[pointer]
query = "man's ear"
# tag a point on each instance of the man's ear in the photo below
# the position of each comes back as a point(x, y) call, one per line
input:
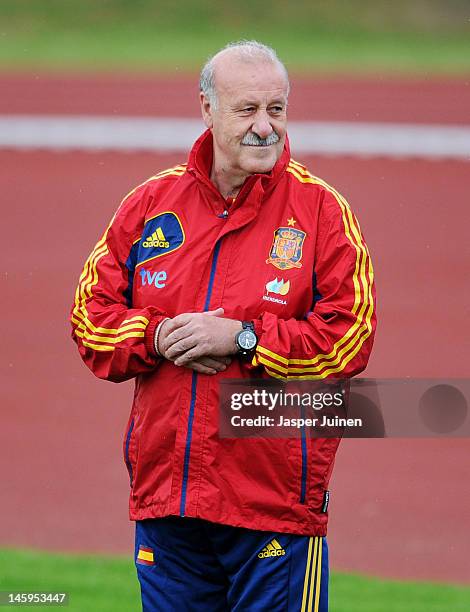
point(206, 110)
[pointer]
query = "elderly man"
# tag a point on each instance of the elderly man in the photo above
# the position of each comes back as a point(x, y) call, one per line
point(240, 264)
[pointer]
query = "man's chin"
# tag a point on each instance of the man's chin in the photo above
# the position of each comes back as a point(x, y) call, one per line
point(260, 161)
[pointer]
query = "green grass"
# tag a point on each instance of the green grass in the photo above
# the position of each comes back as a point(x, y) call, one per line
point(98, 583)
point(351, 593)
point(109, 584)
point(431, 36)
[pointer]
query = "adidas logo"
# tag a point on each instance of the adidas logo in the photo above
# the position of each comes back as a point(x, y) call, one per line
point(273, 549)
point(157, 239)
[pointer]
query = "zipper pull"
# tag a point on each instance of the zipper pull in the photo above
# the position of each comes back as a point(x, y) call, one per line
point(224, 215)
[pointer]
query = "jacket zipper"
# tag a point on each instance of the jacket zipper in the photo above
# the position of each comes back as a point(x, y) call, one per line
point(187, 450)
point(128, 461)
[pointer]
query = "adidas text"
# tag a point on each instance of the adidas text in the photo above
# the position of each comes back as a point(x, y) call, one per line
point(271, 553)
point(156, 243)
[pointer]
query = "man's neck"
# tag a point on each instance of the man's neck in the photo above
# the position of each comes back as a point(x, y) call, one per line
point(227, 182)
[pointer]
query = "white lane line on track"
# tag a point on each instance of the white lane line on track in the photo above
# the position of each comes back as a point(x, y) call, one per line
point(165, 134)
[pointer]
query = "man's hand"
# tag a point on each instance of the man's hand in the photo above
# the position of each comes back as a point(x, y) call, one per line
point(209, 365)
point(188, 337)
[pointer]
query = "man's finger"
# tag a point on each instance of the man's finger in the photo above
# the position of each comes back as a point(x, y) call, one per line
point(213, 363)
point(177, 334)
point(193, 354)
point(181, 347)
point(177, 322)
point(199, 367)
point(225, 360)
point(218, 312)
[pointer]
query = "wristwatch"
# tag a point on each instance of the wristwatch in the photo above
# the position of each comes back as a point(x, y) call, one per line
point(246, 340)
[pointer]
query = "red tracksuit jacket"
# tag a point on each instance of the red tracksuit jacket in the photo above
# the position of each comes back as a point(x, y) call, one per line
point(288, 254)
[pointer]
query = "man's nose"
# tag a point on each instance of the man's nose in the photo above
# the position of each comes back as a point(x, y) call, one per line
point(262, 125)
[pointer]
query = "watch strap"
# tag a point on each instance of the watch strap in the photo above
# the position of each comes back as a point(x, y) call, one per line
point(249, 325)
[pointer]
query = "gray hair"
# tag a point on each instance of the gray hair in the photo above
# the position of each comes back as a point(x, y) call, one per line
point(249, 49)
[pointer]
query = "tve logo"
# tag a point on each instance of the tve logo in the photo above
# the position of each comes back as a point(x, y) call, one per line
point(153, 278)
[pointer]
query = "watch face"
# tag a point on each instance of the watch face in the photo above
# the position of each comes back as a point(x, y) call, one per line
point(247, 340)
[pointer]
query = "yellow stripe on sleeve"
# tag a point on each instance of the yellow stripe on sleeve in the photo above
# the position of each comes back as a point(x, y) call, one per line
point(85, 334)
point(98, 347)
point(84, 323)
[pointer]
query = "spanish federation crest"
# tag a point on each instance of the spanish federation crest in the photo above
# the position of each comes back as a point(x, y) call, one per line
point(286, 250)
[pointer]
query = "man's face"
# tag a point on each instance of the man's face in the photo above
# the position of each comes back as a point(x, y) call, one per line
point(249, 123)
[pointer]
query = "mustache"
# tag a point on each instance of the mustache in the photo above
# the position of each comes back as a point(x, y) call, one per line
point(254, 140)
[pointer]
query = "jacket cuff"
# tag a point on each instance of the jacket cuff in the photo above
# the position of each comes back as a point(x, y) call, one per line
point(150, 334)
point(258, 325)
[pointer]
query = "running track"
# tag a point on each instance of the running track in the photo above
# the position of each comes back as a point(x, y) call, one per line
point(399, 507)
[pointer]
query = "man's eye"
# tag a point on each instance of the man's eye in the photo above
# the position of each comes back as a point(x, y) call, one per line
point(276, 109)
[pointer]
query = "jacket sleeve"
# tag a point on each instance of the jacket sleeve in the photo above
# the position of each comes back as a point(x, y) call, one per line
point(115, 340)
point(336, 336)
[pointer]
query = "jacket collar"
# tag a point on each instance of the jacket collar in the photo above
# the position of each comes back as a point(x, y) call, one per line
point(200, 165)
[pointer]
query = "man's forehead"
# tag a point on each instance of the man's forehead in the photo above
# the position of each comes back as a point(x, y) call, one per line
point(254, 77)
